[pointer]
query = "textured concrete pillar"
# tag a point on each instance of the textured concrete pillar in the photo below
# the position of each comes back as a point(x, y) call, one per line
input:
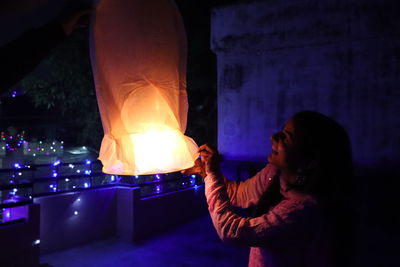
point(340, 58)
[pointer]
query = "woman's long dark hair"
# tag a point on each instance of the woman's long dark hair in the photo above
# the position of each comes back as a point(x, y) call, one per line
point(325, 169)
point(325, 144)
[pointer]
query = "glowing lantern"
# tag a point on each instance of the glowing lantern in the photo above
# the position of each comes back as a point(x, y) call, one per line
point(138, 53)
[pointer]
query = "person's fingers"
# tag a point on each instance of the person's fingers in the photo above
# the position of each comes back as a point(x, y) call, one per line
point(201, 148)
point(205, 154)
point(207, 149)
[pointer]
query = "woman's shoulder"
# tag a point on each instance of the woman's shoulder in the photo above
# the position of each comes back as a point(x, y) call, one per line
point(269, 170)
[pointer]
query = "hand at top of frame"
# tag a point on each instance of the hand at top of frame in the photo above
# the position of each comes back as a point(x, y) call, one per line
point(78, 19)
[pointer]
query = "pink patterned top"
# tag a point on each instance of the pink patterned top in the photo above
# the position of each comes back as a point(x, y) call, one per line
point(292, 233)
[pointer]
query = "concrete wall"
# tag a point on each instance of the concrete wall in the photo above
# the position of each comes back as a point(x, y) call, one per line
point(338, 57)
point(61, 228)
point(113, 212)
point(157, 214)
point(17, 246)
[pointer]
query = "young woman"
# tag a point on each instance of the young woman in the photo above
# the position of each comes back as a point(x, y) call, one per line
point(301, 197)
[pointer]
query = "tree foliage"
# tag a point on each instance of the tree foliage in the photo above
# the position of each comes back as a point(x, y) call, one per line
point(64, 83)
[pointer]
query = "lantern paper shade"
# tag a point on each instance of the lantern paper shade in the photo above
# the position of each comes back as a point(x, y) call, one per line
point(138, 54)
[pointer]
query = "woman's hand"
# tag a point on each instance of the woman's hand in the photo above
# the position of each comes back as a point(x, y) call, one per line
point(198, 168)
point(210, 158)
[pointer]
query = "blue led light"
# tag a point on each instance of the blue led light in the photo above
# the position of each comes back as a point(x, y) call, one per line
point(88, 162)
point(86, 185)
point(17, 166)
point(193, 175)
point(56, 163)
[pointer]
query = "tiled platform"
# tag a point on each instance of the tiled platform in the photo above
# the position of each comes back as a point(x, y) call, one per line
point(193, 244)
point(196, 244)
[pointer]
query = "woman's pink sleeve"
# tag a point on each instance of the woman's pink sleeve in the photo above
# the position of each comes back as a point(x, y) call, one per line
point(248, 192)
point(286, 221)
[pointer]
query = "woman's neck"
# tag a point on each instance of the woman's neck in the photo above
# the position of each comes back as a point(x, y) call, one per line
point(288, 177)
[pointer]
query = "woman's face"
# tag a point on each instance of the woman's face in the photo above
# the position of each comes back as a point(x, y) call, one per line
point(285, 149)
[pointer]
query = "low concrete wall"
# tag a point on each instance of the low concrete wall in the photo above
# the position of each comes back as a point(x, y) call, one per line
point(17, 246)
point(75, 218)
point(72, 219)
point(154, 215)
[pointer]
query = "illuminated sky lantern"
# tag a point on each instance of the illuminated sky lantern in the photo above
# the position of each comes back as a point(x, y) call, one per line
point(138, 53)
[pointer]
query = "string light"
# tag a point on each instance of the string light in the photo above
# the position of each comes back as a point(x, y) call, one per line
point(17, 166)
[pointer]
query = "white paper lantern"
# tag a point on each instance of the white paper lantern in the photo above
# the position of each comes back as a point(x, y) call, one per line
point(138, 53)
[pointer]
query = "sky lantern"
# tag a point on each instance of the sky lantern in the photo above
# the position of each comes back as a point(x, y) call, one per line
point(138, 54)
